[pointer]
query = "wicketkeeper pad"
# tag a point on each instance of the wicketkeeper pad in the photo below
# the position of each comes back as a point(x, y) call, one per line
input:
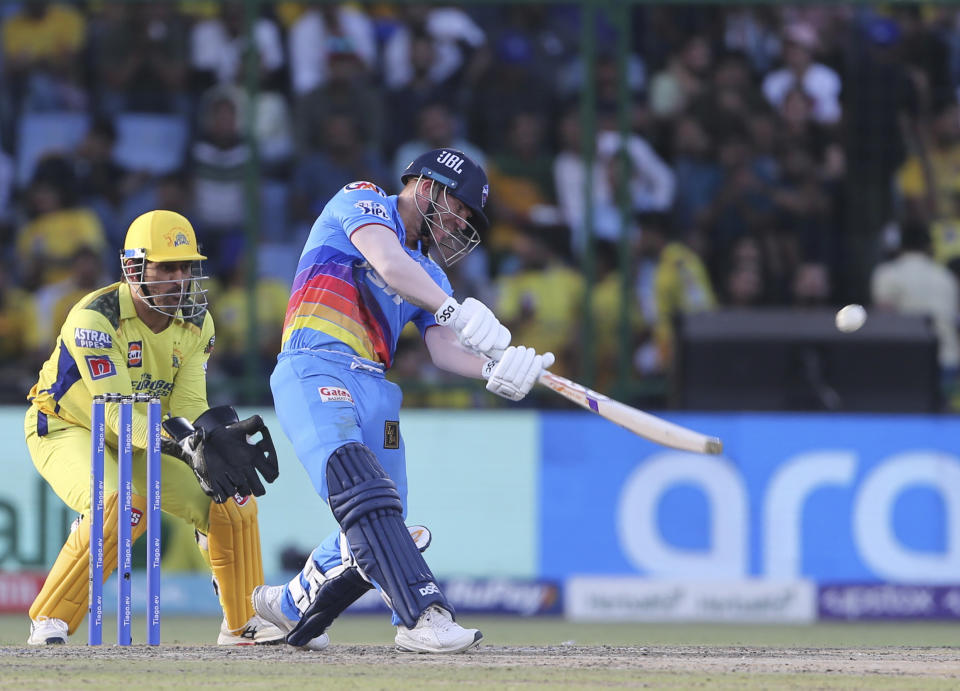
point(66, 592)
point(234, 549)
point(367, 506)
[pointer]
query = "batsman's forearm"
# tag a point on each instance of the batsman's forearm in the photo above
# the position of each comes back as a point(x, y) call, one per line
point(447, 353)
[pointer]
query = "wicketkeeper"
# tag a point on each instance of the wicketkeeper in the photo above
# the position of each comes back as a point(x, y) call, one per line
point(150, 333)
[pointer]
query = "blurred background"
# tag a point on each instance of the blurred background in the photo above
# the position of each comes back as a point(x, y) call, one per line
point(681, 198)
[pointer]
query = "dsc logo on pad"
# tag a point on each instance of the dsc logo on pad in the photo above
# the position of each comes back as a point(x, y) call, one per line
point(334, 393)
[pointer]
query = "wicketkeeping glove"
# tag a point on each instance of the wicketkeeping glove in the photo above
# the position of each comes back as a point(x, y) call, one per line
point(221, 453)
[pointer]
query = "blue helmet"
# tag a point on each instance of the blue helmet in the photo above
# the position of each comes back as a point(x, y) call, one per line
point(459, 174)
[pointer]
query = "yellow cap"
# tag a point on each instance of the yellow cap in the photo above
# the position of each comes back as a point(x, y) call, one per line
point(163, 236)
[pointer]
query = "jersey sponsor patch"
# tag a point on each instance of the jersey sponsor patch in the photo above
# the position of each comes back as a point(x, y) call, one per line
point(373, 209)
point(135, 354)
point(90, 338)
point(391, 434)
point(209, 346)
point(363, 185)
point(334, 393)
point(100, 366)
point(135, 516)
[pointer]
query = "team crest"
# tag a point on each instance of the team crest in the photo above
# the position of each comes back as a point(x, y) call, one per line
point(176, 238)
point(177, 357)
point(135, 354)
point(363, 185)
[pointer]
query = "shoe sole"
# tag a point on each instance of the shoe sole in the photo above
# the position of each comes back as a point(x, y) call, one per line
point(473, 644)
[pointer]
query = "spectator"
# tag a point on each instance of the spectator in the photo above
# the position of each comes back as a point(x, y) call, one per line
point(436, 129)
point(218, 162)
point(407, 101)
point(217, 46)
point(697, 173)
point(54, 301)
point(521, 173)
point(141, 59)
point(20, 353)
point(511, 86)
point(930, 184)
point(915, 284)
point(57, 228)
point(540, 302)
point(881, 124)
point(344, 158)
point(671, 280)
point(459, 45)
point(347, 91)
point(818, 81)
point(42, 43)
point(315, 31)
point(745, 278)
point(651, 183)
point(683, 79)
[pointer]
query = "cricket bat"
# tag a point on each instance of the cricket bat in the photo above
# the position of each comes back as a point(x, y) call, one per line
point(640, 423)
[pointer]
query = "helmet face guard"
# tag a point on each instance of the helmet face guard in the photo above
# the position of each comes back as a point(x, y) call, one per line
point(452, 174)
point(191, 297)
point(452, 243)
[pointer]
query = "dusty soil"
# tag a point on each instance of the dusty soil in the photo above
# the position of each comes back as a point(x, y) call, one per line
point(922, 662)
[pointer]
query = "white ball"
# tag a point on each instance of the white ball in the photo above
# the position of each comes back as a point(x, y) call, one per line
point(851, 318)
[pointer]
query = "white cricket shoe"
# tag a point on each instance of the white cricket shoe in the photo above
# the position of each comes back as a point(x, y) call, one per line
point(257, 631)
point(47, 631)
point(266, 603)
point(436, 632)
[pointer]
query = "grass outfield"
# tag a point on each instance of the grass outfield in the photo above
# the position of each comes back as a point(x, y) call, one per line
point(527, 653)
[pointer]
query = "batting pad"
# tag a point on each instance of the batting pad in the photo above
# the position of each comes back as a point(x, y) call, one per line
point(234, 550)
point(367, 506)
point(66, 592)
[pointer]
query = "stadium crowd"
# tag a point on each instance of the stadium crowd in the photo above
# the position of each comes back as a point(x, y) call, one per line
point(774, 153)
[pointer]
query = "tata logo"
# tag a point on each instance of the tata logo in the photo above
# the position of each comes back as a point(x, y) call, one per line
point(452, 161)
point(334, 393)
point(135, 354)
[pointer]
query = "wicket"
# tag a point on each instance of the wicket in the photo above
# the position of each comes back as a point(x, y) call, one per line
point(124, 516)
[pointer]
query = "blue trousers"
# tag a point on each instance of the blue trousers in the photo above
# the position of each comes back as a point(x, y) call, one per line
point(325, 399)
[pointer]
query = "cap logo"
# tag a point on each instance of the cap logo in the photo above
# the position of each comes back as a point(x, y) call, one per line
point(483, 195)
point(176, 238)
point(451, 161)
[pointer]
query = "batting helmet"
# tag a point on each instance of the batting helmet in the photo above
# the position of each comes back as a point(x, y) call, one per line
point(463, 179)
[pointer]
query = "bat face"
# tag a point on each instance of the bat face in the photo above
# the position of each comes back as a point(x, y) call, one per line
point(640, 423)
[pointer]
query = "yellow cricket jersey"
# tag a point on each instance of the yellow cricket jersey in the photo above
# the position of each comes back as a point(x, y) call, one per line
point(103, 347)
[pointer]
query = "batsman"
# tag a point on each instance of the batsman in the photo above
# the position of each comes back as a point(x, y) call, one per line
point(150, 333)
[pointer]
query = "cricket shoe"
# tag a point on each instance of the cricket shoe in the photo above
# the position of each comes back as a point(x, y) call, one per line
point(257, 631)
point(47, 631)
point(436, 632)
point(266, 603)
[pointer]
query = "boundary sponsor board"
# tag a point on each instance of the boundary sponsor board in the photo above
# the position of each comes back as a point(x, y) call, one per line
point(598, 598)
point(487, 596)
point(851, 601)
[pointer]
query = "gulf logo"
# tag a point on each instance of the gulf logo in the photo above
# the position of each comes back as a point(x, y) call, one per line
point(135, 354)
